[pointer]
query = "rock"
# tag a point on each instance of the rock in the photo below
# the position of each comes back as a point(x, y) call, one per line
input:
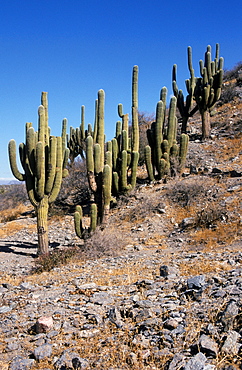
point(208, 346)
point(44, 324)
point(42, 352)
point(196, 282)
point(196, 363)
point(21, 363)
point(231, 345)
point(229, 315)
point(187, 222)
point(70, 360)
point(178, 362)
point(164, 271)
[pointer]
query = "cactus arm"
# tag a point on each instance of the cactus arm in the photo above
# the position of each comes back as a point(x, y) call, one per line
point(78, 221)
point(148, 163)
point(107, 187)
point(58, 173)
point(100, 123)
point(51, 166)
point(93, 217)
point(135, 122)
point(40, 170)
point(13, 162)
point(134, 165)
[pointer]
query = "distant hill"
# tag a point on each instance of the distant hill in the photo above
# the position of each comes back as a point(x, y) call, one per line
point(8, 181)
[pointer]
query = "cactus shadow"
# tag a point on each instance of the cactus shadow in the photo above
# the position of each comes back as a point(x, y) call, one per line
point(18, 248)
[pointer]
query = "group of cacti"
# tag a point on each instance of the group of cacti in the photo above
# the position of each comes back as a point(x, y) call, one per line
point(163, 156)
point(204, 91)
point(112, 166)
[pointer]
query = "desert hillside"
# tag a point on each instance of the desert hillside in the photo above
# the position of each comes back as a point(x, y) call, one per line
point(159, 287)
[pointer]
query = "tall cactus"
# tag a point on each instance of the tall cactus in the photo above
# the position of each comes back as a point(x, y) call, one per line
point(208, 87)
point(185, 106)
point(162, 155)
point(99, 175)
point(43, 158)
point(125, 149)
point(76, 139)
point(204, 90)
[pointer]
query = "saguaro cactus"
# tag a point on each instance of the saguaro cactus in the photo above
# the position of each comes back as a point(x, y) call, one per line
point(125, 149)
point(99, 175)
point(43, 158)
point(204, 90)
point(185, 106)
point(76, 139)
point(162, 155)
point(208, 87)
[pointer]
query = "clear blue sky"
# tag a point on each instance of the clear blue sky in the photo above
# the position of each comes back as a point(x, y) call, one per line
point(73, 48)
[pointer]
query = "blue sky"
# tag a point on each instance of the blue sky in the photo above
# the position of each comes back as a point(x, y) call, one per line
point(73, 48)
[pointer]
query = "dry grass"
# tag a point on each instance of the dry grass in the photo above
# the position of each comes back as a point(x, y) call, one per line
point(229, 149)
point(13, 213)
point(13, 227)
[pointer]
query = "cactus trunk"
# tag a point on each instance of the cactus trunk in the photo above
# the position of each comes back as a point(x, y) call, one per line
point(206, 127)
point(42, 226)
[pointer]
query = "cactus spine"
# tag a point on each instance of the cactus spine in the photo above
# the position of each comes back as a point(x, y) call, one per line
point(43, 158)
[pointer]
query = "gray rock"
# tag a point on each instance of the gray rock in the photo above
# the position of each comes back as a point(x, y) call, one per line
point(196, 363)
point(70, 360)
point(196, 282)
point(178, 362)
point(229, 315)
point(208, 346)
point(231, 345)
point(21, 363)
point(41, 352)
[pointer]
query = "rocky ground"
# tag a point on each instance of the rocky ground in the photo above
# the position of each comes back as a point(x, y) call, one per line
point(160, 288)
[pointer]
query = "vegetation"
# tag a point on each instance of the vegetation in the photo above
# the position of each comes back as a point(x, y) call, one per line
point(43, 158)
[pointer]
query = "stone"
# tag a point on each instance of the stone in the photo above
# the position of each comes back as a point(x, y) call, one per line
point(44, 324)
point(196, 282)
point(229, 315)
point(70, 360)
point(196, 363)
point(231, 345)
point(21, 363)
point(41, 352)
point(208, 346)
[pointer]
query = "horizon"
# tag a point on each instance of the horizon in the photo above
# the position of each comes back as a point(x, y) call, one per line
point(72, 50)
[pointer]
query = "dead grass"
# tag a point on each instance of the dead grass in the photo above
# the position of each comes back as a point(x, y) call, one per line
point(13, 213)
point(13, 227)
point(226, 150)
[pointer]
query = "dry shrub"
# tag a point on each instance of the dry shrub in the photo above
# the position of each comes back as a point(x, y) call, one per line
point(12, 195)
point(103, 243)
point(195, 190)
point(223, 234)
point(137, 207)
point(55, 258)
point(11, 214)
point(74, 190)
point(209, 215)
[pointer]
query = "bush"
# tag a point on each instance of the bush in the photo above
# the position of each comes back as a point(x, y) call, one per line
point(228, 94)
point(12, 196)
point(74, 189)
point(234, 73)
